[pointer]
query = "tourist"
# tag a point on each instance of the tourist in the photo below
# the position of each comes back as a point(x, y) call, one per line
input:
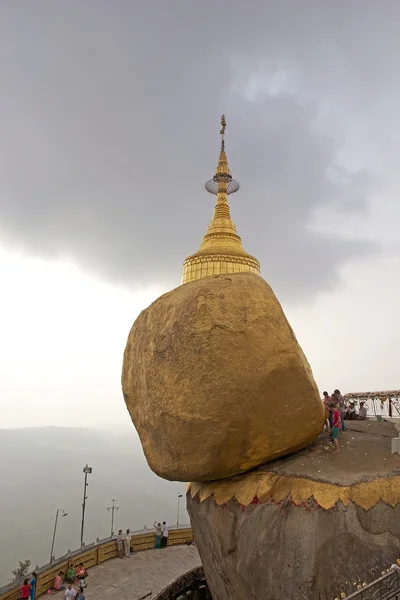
point(157, 527)
point(81, 572)
point(58, 583)
point(120, 543)
point(362, 412)
point(336, 426)
point(341, 401)
point(327, 402)
point(127, 543)
point(81, 595)
point(70, 592)
point(164, 535)
point(33, 586)
point(25, 590)
point(351, 414)
point(327, 413)
point(70, 575)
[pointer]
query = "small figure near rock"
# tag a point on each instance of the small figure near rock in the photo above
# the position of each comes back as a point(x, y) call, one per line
point(336, 426)
point(351, 414)
point(337, 396)
point(328, 415)
point(362, 412)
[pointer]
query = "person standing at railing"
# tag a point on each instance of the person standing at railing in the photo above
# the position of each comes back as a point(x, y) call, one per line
point(33, 586)
point(127, 543)
point(120, 543)
point(164, 535)
point(25, 590)
point(157, 527)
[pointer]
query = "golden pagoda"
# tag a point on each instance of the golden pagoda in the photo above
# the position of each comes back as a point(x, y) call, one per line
point(221, 250)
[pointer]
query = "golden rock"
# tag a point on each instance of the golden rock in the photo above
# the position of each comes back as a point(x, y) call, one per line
point(216, 382)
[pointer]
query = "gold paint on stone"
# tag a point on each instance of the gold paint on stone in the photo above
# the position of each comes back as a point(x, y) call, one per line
point(216, 382)
point(271, 486)
point(221, 251)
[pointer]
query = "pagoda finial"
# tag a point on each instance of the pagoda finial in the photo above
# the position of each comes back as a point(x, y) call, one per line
point(222, 173)
point(222, 132)
point(221, 250)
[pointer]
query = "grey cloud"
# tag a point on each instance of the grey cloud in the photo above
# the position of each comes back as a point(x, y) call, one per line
point(109, 116)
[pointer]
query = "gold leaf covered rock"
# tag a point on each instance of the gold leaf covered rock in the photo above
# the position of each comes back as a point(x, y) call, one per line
point(216, 382)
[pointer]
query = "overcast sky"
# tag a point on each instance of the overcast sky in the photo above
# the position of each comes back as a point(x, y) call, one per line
point(109, 115)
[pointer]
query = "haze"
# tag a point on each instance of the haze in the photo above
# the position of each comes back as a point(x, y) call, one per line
point(109, 116)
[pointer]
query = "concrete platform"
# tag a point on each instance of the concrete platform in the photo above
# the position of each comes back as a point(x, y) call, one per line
point(131, 578)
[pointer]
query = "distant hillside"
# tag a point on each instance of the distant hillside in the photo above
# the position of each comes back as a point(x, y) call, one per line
point(41, 470)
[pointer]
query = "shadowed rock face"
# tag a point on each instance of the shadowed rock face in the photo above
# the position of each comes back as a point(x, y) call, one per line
point(280, 551)
point(216, 382)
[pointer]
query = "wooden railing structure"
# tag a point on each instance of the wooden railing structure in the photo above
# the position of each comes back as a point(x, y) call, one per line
point(378, 404)
point(96, 554)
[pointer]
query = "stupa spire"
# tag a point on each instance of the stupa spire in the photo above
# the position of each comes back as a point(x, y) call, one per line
point(221, 250)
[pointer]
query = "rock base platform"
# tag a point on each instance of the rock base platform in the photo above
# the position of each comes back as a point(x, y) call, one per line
point(312, 524)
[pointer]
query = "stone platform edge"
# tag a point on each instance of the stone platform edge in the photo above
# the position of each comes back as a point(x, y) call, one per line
point(257, 488)
point(96, 555)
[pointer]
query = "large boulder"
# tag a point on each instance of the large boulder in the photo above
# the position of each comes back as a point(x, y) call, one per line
point(216, 382)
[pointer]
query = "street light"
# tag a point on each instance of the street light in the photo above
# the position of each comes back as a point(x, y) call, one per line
point(112, 508)
point(87, 470)
point(177, 516)
point(63, 514)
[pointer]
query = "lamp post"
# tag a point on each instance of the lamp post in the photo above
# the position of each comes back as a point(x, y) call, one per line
point(112, 508)
point(177, 516)
point(63, 514)
point(87, 470)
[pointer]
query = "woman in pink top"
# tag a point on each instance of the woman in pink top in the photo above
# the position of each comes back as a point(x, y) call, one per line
point(336, 426)
point(58, 581)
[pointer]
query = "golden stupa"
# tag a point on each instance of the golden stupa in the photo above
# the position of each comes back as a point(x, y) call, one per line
point(221, 251)
point(213, 376)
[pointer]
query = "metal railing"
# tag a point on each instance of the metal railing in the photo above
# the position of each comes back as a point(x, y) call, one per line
point(188, 581)
point(386, 587)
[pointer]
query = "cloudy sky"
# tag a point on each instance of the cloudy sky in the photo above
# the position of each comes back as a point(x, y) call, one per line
point(109, 115)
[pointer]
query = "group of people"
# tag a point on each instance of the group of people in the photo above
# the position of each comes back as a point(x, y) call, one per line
point(124, 543)
point(161, 534)
point(72, 575)
point(28, 588)
point(337, 413)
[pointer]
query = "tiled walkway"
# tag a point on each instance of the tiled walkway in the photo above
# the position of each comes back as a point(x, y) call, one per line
point(130, 578)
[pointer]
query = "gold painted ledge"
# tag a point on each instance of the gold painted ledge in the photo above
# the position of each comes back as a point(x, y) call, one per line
point(267, 486)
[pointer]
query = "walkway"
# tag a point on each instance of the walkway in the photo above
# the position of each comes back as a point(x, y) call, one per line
point(130, 578)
